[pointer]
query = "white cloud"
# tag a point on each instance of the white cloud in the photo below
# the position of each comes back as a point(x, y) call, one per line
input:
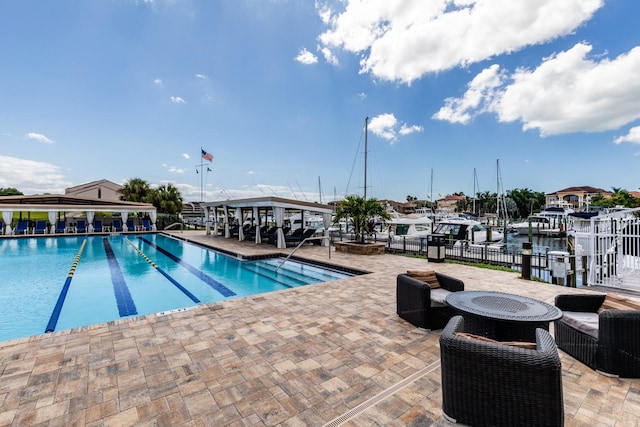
point(186, 156)
point(568, 92)
point(306, 57)
point(386, 126)
point(39, 137)
point(407, 130)
point(158, 82)
point(173, 169)
point(31, 177)
point(481, 92)
point(202, 76)
point(177, 100)
point(633, 136)
point(328, 55)
point(402, 41)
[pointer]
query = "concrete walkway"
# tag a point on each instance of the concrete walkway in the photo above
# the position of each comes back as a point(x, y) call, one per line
point(329, 354)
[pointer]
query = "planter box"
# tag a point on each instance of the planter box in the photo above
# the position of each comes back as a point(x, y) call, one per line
point(360, 248)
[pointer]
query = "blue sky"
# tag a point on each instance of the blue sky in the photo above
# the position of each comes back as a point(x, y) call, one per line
point(541, 95)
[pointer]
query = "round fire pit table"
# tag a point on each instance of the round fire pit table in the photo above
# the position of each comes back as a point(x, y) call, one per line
point(502, 316)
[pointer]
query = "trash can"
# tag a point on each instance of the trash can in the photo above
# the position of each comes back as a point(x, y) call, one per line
point(436, 248)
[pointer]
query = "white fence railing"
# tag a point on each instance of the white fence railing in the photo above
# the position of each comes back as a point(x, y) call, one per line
point(611, 244)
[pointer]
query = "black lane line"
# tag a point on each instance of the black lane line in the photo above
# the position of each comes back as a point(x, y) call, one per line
point(126, 306)
point(199, 274)
point(184, 290)
point(55, 315)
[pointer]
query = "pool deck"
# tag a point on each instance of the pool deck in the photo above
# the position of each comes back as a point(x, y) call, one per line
point(329, 354)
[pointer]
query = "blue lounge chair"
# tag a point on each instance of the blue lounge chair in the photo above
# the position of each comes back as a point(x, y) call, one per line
point(22, 227)
point(61, 226)
point(117, 225)
point(81, 226)
point(146, 225)
point(41, 227)
point(130, 226)
point(97, 226)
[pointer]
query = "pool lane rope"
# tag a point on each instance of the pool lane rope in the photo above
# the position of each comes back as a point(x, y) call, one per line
point(161, 271)
point(55, 315)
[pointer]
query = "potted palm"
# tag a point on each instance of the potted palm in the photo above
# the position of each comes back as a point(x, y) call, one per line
point(359, 212)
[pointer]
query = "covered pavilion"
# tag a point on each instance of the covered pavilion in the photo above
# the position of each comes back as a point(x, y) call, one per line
point(55, 205)
point(257, 210)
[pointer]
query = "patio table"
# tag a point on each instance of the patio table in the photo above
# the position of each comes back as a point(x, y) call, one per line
point(503, 316)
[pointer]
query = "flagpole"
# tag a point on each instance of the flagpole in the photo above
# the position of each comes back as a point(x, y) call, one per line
point(201, 176)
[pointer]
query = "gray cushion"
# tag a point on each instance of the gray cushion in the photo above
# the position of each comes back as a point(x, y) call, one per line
point(437, 297)
point(584, 322)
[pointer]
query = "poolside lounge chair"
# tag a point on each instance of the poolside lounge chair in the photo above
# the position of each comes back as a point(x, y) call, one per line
point(300, 236)
point(61, 226)
point(1, 227)
point(130, 226)
point(97, 226)
point(22, 227)
point(146, 225)
point(41, 227)
point(268, 233)
point(273, 239)
point(117, 225)
point(81, 226)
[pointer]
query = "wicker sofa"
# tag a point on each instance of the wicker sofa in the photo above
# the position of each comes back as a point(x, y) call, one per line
point(494, 384)
point(422, 306)
point(605, 340)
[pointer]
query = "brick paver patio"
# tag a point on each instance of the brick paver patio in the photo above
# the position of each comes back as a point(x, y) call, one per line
point(329, 354)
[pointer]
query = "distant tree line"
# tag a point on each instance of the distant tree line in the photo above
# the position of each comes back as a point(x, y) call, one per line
point(522, 202)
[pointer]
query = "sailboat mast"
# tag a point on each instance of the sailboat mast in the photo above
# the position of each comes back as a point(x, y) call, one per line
point(475, 179)
point(431, 191)
point(366, 126)
point(498, 189)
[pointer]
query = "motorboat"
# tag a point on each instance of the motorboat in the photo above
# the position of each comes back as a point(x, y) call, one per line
point(409, 226)
point(459, 229)
point(550, 222)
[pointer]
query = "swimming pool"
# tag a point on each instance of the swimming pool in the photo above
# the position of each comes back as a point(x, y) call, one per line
point(57, 283)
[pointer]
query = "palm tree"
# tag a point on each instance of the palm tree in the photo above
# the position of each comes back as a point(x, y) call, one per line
point(135, 190)
point(360, 211)
point(166, 198)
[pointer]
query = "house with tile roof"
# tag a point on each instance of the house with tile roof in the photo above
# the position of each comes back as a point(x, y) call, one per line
point(573, 197)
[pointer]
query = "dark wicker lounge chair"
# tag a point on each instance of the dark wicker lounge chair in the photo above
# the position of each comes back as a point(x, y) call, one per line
point(613, 347)
point(415, 305)
point(297, 237)
point(493, 384)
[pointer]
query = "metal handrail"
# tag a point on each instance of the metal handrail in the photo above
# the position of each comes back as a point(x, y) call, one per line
point(176, 223)
point(298, 247)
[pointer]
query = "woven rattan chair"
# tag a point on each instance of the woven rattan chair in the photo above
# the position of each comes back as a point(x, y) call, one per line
point(613, 347)
point(415, 305)
point(492, 384)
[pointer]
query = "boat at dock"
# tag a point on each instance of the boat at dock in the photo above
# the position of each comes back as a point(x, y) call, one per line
point(551, 222)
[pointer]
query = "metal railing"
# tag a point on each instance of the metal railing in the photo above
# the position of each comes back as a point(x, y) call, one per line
point(168, 227)
point(298, 247)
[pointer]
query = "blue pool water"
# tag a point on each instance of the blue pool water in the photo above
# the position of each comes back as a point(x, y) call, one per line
point(57, 283)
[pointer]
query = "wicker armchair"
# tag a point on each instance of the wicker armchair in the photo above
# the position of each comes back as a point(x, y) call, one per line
point(614, 346)
point(493, 384)
point(415, 305)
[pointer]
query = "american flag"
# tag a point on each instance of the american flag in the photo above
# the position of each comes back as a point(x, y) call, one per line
point(207, 156)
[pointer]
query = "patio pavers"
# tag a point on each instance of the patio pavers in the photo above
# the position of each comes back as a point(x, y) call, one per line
point(329, 353)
